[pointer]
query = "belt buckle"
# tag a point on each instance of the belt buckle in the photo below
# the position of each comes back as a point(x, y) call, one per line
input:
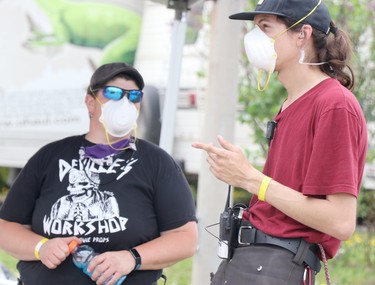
point(240, 233)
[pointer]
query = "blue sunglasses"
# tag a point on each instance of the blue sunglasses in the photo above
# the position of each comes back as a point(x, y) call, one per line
point(117, 93)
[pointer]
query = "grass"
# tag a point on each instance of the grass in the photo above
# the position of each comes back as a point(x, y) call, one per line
point(353, 265)
point(178, 274)
point(8, 261)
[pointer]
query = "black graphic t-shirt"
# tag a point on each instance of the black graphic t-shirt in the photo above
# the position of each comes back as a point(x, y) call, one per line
point(114, 203)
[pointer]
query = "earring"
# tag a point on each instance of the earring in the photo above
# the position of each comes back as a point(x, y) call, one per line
point(91, 115)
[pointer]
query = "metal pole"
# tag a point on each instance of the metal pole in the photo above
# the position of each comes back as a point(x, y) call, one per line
point(171, 96)
point(221, 103)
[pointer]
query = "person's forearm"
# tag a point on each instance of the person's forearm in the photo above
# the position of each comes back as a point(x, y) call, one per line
point(169, 248)
point(18, 240)
point(335, 215)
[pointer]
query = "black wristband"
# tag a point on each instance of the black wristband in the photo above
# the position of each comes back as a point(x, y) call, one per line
point(137, 257)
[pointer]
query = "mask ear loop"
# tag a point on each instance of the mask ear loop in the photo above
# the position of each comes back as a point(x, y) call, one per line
point(302, 58)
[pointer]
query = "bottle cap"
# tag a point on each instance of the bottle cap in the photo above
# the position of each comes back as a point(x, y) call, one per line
point(72, 245)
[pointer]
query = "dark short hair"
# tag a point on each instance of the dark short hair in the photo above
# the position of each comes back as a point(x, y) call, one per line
point(109, 71)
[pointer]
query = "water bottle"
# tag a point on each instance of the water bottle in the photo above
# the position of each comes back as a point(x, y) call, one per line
point(82, 256)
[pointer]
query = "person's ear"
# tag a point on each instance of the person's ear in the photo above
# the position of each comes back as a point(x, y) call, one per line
point(304, 34)
point(90, 103)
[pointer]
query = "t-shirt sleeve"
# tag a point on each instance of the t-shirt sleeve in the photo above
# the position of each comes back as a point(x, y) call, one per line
point(174, 203)
point(335, 155)
point(20, 201)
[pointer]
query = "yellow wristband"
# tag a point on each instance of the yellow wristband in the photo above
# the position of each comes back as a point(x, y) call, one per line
point(38, 246)
point(263, 188)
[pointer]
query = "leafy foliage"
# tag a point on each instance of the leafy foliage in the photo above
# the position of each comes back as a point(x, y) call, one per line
point(357, 17)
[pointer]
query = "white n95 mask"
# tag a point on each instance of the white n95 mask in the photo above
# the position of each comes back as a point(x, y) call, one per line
point(119, 117)
point(260, 51)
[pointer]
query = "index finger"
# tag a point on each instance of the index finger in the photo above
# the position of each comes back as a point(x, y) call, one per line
point(203, 146)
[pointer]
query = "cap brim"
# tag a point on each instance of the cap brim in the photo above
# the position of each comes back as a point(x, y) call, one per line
point(250, 15)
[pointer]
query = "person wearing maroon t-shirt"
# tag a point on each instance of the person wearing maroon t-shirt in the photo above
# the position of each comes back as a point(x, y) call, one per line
point(305, 199)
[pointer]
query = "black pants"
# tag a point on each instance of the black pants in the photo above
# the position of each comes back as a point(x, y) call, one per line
point(260, 265)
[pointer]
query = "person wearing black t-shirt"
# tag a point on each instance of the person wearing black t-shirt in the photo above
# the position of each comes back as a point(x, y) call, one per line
point(123, 196)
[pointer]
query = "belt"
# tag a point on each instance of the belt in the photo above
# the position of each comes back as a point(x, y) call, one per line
point(248, 235)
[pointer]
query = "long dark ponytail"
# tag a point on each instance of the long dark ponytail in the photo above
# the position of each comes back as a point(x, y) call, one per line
point(336, 51)
point(334, 48)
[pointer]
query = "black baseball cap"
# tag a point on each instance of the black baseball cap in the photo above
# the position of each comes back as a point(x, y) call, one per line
point(296, 10)
point(108, 71)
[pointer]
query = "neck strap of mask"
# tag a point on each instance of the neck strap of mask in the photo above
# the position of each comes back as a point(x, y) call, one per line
point(260, 88)
point(111, 144)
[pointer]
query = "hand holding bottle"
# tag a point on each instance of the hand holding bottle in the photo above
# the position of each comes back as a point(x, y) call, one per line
point(82, 256)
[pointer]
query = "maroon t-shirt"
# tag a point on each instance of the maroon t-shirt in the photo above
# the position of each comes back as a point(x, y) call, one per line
point(319, 149)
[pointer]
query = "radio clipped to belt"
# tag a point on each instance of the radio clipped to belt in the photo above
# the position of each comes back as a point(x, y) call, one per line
point(230, 220)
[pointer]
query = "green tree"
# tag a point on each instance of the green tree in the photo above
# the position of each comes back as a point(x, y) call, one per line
point(357, 18)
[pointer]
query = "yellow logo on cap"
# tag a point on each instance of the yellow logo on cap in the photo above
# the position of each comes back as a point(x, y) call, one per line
point(260, 2)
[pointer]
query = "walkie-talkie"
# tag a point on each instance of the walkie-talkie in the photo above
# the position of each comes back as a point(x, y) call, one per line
point(229, 223)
